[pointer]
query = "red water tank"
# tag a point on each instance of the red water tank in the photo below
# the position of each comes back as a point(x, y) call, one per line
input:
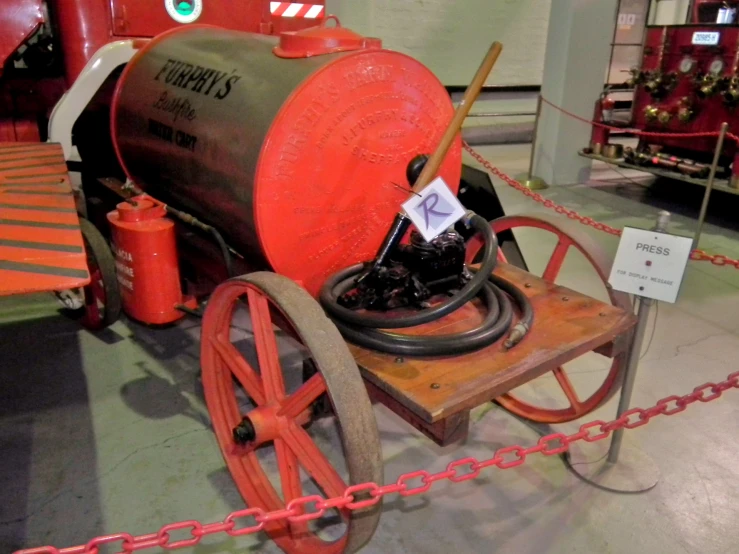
point(295, 149)
point(146, 261)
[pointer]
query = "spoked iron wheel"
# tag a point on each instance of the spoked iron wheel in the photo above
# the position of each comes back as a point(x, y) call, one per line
point(567, 237)
point(270, 422)
point(101, 297)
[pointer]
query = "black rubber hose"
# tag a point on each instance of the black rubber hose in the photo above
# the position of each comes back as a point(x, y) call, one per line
point(343, 281)
point(495, 325)
point(224, 251)
point(362, 328)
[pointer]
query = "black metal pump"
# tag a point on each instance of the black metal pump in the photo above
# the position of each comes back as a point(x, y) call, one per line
point(387, 285)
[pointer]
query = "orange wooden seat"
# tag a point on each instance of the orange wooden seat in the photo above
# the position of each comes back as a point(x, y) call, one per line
point(41, 247)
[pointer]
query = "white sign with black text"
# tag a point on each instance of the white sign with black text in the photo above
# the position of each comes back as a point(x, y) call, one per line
point(706, 38)
point(434, 209)
point(650, 264)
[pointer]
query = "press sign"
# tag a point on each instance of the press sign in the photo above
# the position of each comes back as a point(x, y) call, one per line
point(650, 264)
point(706, 38)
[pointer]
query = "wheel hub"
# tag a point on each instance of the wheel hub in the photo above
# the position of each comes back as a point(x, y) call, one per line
point(244, 432)
point(264, 424)
point(71, 299)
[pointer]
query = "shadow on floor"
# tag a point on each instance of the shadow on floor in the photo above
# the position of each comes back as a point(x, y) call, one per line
point(48, 466)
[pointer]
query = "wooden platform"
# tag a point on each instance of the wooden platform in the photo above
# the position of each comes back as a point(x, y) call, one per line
point(435, 393)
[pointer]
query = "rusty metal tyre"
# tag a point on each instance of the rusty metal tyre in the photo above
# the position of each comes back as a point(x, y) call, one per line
point(278, 419)
point(568, 235)
point(102, 296)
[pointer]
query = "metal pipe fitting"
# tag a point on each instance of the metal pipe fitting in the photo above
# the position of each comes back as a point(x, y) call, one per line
point(685, 114)
point(516, 335)
point(650, 113)
point(664, 117)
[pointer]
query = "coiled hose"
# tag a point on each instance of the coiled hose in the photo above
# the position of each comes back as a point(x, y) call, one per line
point(363, 328)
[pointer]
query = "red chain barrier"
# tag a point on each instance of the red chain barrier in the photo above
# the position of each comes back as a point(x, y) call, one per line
point(696, 255)
point(456, 472)
point(638, 132)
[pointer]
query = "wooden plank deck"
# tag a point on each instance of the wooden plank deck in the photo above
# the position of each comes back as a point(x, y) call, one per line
point(566, 325)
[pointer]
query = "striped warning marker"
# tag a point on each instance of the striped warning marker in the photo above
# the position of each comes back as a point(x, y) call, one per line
point(293, 9)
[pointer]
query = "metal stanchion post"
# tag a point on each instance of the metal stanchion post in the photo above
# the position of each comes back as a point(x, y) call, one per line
point(709, 184)
point(527, 179)
point(630, 470)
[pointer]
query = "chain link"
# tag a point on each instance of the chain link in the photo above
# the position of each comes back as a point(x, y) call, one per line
point(639, 132)
point(455, 472)
point(696, 255)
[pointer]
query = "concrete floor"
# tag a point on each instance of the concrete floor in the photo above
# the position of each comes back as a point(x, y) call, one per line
point(109, 433)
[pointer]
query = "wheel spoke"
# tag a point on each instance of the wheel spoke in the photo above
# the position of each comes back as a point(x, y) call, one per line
point(287, 464)
point(567, 387)
point(92, 310)
point(313, 460)
point(97, 288)
point(501, 256)
point(239, 367)
point(301, 399)
point(558, 257)
point(266, 343)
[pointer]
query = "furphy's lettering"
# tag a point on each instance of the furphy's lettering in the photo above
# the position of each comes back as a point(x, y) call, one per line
point(176, 106)
point(185, 140)
point(227, 86)
point(160, 130)
point(170, 134)
point(197, 78)
point(295, 142)
point(653, 249)
point(368, 75)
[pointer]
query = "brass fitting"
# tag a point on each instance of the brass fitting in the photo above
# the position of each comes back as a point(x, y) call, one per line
point(730, 94)
point(657, 84)
point(707, 86)
point(653, 85)
point(516, 335)
point(685, 114)
point(637, 77)
point(664, 117)
point(650, 113)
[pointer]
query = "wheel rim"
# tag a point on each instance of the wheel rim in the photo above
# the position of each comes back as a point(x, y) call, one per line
point(277, 419)
point(568, 237)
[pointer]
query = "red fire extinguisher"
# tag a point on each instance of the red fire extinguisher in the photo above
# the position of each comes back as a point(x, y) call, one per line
point(146, 260)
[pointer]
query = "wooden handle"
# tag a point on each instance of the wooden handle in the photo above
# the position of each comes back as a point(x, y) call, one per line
point(470, 95)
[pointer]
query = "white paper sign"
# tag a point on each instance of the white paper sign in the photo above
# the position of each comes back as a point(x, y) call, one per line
point(706, 38)
point(434, 209)
point(650, 264)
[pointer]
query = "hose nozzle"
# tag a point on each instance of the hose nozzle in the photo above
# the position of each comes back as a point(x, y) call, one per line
point(516, 335)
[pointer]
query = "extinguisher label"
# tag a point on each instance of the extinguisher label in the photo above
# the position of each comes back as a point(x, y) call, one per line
point(124, 272)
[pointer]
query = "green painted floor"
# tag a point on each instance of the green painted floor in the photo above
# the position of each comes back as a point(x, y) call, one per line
point(109, 433)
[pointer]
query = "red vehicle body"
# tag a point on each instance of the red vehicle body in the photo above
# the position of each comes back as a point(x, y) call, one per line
point(44, 45)
point(688, 82)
